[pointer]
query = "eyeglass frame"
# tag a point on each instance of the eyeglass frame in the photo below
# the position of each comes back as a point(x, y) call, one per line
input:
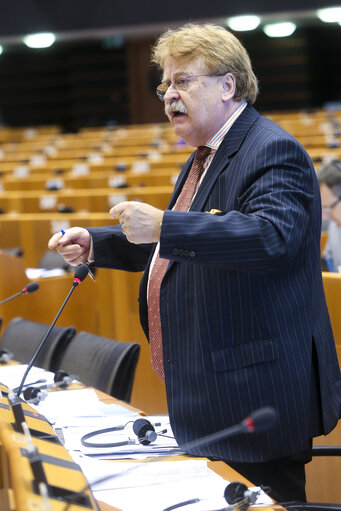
point(329, 209)
point(161, 93)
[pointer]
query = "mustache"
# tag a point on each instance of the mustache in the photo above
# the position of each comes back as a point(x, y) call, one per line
point(175, 106)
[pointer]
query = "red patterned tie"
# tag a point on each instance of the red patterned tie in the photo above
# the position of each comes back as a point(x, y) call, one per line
point(160, 265)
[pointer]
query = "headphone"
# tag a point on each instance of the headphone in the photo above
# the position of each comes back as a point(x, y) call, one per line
point(143, 429)
point(36, 394)
point(5, 356)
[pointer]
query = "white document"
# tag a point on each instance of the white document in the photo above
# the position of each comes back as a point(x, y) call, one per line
point(65, 407)
point(155, 485)
point(11, 376)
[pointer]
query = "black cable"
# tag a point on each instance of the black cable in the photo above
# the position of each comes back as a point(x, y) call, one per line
point(84, 439)
point(181, 504)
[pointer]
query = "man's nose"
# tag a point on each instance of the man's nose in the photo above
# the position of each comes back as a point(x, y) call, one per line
point(171, 94)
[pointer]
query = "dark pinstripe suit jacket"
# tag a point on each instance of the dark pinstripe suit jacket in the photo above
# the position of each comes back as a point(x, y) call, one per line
point(242, 302)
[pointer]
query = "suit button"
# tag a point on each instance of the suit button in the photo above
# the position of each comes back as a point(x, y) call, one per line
point(175, 251)
point(192, 253)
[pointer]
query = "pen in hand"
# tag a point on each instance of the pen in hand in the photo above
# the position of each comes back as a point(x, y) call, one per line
point(92, 276)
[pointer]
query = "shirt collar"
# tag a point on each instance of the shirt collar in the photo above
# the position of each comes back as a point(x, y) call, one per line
point(216, 140)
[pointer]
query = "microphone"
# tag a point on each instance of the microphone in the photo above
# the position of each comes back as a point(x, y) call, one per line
point(240, 496)
point(258, 421)
point(79, 276)
point(5, 356)
point(29, 288)
point(34, 394)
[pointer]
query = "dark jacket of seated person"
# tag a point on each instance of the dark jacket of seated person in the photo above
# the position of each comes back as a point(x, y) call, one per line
point(329, 176)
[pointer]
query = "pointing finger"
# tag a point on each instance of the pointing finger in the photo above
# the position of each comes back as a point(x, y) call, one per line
point(54, 241)
point(119, 209)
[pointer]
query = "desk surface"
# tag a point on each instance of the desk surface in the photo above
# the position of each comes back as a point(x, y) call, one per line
point(218, 467)
point(22, 488)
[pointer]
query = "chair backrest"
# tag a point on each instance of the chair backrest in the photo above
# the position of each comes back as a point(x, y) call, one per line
point(102, 363)
point(52, 260)
point(23, 337)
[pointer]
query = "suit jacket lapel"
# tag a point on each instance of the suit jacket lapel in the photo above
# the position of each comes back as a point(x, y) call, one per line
point(228, 147)
point(226, 150)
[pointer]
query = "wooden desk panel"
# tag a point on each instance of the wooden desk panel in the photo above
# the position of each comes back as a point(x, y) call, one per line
point(102, 179)
point(31, 231)
point(94, 200)
point(332, 289)
point(324, 473)
point(12, 280)
point(17, 484)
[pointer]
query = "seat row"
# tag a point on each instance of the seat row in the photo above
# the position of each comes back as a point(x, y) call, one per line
point(81, 200)
point(91, 180)
point(99, 362)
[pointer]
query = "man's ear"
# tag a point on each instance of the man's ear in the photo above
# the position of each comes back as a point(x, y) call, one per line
point(229, 87)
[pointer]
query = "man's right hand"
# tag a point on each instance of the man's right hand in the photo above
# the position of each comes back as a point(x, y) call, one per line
point(74, 245)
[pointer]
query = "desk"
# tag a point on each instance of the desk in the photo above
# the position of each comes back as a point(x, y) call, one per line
point(17, 483)
point(323, 473)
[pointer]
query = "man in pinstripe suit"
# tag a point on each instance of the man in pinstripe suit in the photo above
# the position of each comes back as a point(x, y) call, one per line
point(243, 317)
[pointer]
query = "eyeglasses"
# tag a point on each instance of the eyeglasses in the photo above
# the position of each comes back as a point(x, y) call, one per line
point(181, 84)
point(328, 209)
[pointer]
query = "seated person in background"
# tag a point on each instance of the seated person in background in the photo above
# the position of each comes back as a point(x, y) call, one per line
point(329, 177)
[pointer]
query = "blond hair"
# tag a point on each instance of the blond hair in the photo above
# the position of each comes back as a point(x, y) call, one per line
point(220, 51)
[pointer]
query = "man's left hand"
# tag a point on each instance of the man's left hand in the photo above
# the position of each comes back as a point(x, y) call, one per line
point(141, 223)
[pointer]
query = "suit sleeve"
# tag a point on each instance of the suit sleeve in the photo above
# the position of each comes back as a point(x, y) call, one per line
point(113, 250)
point(268, 227)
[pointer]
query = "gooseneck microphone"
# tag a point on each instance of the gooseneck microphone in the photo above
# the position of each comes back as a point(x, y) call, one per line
point(258, 421)
point(79, 276)
point(29, 288)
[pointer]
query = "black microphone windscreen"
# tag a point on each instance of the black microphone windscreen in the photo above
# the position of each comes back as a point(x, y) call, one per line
point(263, 419)
point(235, 492)
point(31, 287)
point(81, 272)
point(31, 393)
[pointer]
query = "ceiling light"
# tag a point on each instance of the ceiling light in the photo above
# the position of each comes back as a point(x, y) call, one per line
point(329, 14)
point(1, 49)
point(243, 23)
point(42, 40)
point(279, 29)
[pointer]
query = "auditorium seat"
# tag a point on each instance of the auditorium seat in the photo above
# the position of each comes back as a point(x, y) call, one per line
point(102, 363)
point(52, 260)
point(23, 337)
